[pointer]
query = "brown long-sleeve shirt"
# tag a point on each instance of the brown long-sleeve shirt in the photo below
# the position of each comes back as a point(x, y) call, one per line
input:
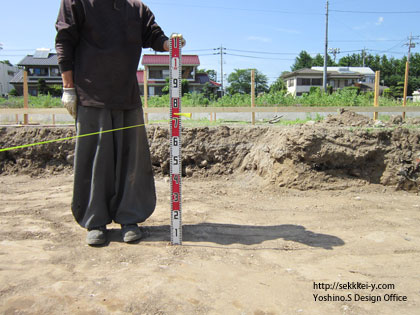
point(101, 41)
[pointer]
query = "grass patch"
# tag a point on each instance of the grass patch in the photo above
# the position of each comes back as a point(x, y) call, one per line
point(42, 101)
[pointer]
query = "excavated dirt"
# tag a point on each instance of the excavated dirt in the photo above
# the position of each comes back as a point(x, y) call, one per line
point(344, 150)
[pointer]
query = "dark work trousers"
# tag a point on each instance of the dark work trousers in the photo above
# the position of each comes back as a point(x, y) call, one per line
point(113, 176)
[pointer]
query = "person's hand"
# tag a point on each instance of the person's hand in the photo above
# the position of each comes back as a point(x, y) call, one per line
point(166, 44)
point(69, 100)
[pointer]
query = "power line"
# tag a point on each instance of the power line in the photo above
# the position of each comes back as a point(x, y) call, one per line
point(263, 52)
point(189, 50)
point(365, 40)
point(376, 12)
point(256, 57)
point(235, 9)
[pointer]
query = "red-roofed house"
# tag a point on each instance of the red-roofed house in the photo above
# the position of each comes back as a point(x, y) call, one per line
point(157, 69)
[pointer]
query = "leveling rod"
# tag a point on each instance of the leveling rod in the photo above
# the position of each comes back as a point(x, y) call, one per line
point(175, 91)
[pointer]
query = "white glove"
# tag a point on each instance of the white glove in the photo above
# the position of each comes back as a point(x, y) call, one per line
point(69, 100)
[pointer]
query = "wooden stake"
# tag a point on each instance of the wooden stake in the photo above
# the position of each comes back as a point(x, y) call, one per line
point(376, 101)
point(146, 94)
point(407, 69)
point(253, 94)
point(25, 95)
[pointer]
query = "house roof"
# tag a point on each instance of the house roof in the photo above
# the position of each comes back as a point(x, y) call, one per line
point(371, 86)
point(359, 70)
point(18, 78)
point(163, 60)
point(30, 60)
point(304, 71)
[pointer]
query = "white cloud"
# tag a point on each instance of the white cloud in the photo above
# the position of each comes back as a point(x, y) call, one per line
point(380, 20)
point(259, 39)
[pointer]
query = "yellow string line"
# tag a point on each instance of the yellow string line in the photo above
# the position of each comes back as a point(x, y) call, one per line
point(68, 138)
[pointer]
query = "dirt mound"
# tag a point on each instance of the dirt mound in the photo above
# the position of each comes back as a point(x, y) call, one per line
point(310, 157)
point(39, 160)
point(347, 118)
point(322, 156)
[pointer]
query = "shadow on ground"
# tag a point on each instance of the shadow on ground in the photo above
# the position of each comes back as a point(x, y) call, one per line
point(228, 234)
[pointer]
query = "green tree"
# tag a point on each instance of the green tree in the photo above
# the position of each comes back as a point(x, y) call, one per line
point(42, 87)
point(6, 62)
point(304, 60)
point(240, 82)
point(318, 61)
point(278, 86)
point(208, 91)
point(354, 60)
point(211, 73)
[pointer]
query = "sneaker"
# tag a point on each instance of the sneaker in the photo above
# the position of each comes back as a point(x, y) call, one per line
point(96, 236)
point(130, 232)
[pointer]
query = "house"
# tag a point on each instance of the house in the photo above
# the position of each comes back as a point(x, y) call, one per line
point(41, 65)
point(301, 81)
point(7, 72)
point(416, 96)
point(157, 71)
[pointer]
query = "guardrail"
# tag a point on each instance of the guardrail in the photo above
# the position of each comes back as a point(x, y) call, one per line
point(215, 110)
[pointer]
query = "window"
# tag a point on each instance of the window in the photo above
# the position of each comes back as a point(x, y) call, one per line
point(317, 82)
point(55, 72)
point(155, 74)
point(302, 81)
point(158, 73)
point(38, 72)
point(291, 82)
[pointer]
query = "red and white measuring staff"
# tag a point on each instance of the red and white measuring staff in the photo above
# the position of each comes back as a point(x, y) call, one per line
point(175, 72)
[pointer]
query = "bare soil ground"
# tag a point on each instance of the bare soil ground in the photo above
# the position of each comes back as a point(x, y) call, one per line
point(270, 216)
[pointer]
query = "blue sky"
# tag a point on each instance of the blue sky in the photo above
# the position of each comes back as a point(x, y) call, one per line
point(279, 29)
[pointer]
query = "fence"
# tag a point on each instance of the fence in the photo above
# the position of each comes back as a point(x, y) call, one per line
point(214, 110)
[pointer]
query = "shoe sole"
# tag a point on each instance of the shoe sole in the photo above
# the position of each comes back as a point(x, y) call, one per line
point(131, 238)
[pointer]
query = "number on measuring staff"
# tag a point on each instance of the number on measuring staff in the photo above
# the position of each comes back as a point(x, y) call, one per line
point(176, 123)
point(175, 197)
point(175, 63)
point(175, 141)
point(176, 215)
point(176, 160)
point(176, 179)
point(175, 83)
point(176, 103)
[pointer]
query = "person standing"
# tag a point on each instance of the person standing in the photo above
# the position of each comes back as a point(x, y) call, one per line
point(98, 46)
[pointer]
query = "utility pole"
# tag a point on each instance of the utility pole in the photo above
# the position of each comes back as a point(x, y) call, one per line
point(334, 52)
point(410, 45)
point(326, 49)
point(363, 57)
point(221, 52)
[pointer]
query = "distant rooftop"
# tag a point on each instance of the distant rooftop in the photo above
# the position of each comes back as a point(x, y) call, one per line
point(359, 70)
point(41, 57)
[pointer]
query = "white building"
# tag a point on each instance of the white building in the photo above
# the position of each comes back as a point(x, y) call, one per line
point(7, 72)
point(301, 81)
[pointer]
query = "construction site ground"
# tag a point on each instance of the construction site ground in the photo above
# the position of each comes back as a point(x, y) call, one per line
point(321, 218)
